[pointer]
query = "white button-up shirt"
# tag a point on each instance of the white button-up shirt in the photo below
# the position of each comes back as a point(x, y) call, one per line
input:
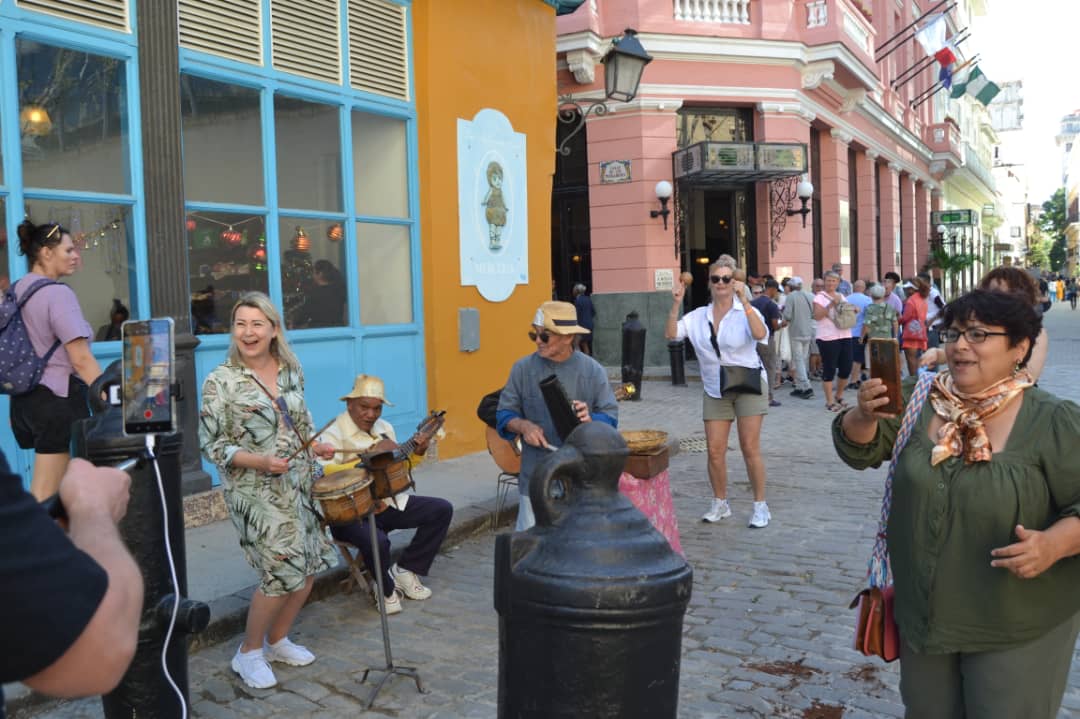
point(737, 345)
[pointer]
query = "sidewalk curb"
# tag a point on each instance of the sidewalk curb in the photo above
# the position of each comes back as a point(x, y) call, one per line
point(228, 614)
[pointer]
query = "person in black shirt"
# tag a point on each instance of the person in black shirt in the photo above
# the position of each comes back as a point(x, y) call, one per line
point(324, 304)
point(69, 603)
point(769, 352)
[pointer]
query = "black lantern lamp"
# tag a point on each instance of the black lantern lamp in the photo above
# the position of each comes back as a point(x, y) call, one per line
point(623, 66)
point(804, 191)
point(663, 193)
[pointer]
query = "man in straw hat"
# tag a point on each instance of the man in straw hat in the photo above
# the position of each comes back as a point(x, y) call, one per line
point(354, 431)
point(521, 405)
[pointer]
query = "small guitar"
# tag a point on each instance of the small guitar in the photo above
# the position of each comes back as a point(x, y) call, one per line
point(427, 429)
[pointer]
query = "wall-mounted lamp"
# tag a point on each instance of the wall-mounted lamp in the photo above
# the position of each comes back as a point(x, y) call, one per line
point(804, 191)
point(663, 193)
point(34, 120)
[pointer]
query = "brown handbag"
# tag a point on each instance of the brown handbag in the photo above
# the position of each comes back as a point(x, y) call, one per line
point(876, 633)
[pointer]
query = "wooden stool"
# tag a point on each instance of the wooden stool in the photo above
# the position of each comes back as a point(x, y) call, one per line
point(359, 576)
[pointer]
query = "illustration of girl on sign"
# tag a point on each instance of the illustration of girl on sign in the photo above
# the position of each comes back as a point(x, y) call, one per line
point(495, 212)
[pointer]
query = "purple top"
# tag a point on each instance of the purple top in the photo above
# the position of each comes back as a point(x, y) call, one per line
point(53, 313)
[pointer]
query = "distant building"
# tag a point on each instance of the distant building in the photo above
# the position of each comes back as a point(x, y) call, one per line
point(1010, 174)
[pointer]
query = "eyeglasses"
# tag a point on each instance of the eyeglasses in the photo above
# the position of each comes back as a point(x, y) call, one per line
point(974, 335)
point(544, 336)
point(717, 279)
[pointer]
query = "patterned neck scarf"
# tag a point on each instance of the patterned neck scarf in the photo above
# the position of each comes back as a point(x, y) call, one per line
point(963, 433)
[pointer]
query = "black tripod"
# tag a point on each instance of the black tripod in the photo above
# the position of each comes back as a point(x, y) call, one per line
point(389, 670)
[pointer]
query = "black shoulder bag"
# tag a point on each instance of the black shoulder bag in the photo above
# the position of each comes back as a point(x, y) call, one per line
point(735, 378)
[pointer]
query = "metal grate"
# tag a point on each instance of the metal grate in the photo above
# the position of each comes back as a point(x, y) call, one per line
point(693, 444)
point(228, 28)
point(306, 38)
point(111, 14)
point(379, 48)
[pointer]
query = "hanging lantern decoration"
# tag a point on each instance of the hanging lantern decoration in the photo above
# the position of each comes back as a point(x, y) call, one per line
point(336, 233)
point(301, 242)
point(232, 237)
point(190, 224)
point(258, 254)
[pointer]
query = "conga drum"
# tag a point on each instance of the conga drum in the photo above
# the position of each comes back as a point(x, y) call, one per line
point(390, 474)
point(345, 496)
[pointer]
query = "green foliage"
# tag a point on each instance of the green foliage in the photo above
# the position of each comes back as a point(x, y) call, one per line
point(1053, 221)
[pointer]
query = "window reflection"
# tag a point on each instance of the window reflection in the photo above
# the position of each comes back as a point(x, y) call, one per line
point(72, 119)
point(384, 273)
point(380, 166)
point(5, 278)
point(313, 289)
point(226, 258)
point(222, 135)
point(308, 154)
point(102, 235)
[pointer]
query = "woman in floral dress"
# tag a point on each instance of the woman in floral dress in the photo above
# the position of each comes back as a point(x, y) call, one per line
point(253, 418)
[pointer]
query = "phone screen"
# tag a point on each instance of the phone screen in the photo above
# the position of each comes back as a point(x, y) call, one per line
point(147, 376)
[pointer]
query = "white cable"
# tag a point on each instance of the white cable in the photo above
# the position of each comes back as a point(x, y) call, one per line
point(172, 572)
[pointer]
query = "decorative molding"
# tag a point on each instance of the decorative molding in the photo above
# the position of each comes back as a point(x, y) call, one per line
point(842, 137)
point(872, 155)
point(896, 167)
point(786, 108)
point(853, 99)
point(583, 64)
point(813, 75)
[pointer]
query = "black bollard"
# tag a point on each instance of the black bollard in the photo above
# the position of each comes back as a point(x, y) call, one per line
point(144, 691)
point(590, 600)
point(633, 353)
point(678, 363)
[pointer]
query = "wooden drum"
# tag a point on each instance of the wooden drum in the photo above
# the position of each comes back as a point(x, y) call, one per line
point(389, 473)
point(345, 496)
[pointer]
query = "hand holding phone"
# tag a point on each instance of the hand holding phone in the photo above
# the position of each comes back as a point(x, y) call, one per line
point(147, 399)
point(885, 368)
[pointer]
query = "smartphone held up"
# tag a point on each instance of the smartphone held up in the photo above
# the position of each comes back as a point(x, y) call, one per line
point(885, 365)
point(147, 400)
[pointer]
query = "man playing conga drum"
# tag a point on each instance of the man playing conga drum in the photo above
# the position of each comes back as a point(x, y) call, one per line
point(355, 431)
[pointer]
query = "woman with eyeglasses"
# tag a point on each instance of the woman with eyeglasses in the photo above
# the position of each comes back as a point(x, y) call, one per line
point(253, 419)
point(984, 526)
point(41, 418)
point(725, 334)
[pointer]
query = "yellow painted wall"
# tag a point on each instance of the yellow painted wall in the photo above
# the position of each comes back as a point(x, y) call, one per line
point(470, 55)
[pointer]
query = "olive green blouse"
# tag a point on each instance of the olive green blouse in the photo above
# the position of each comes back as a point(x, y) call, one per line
point(946, 519)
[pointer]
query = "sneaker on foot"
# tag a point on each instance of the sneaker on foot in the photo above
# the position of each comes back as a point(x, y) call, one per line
point(807, 394)
point(774, 403)
point(761, 515)
point(286, 652)
point(254, 669)
point(720, 510)
point(409, 583)
point(393, 602)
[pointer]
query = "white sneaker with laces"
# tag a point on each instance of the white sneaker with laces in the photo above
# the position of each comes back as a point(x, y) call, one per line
point(393, 602)
point(286, 652)
point(761, 515)
point(253, 669)
point(409, 583)
point(720, 510)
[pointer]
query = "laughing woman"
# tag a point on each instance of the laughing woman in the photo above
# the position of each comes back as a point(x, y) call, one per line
point(253, 417)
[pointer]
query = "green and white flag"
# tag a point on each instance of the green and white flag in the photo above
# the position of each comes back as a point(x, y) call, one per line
point(975, 84)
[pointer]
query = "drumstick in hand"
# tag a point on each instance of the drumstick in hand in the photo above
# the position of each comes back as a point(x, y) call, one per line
point(307, 444)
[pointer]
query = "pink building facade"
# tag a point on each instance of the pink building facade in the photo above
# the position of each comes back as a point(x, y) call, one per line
point(743, 98)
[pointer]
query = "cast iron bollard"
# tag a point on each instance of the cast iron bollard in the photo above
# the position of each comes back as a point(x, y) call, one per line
point(633, 353)
point(144, 691)
point(678, 363)
point(590, 600)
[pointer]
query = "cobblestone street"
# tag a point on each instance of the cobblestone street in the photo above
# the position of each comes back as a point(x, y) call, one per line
point(768, 632)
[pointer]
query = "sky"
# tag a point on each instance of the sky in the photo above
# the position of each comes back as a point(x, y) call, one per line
point(1036, 41)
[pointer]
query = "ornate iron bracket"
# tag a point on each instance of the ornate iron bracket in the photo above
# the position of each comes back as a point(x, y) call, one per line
point(572, 112)
point(781, 194)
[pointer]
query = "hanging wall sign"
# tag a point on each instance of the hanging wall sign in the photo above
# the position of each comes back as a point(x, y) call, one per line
point(493, 216)
point(612, 171)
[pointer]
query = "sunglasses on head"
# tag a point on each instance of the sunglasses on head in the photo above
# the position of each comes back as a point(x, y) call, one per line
point(53, 231)
point(717, 279)
point(544, 336)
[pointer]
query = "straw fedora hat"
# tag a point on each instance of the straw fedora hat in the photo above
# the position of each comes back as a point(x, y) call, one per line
point(559, 318)
point(367, 385)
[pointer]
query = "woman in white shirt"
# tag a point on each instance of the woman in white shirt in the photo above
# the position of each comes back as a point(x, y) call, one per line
point(726, 332)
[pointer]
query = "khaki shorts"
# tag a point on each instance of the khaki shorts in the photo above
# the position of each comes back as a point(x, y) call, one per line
point(735, 405)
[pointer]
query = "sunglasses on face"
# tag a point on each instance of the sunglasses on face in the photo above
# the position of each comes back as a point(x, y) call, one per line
point(717, 279)
point(544, 336)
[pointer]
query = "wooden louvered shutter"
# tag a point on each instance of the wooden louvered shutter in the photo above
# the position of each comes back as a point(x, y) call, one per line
point(306, 38)
point(229, 28)
point(112, 14)
point(379, 48)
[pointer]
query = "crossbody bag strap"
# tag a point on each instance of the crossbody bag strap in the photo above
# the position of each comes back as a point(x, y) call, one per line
point(284, 408)
point(879, 571)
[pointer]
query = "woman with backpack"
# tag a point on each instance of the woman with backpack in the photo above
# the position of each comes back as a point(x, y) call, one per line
point(41, 418)
point(835, 318)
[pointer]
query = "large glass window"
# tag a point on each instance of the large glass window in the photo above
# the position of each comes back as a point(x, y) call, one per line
point(222, 135)
point(226, 258)
point(313, 290)
point(714, 124)
point(384, 273)
point(380, 166)
point(5, 242)
point(308, 155)
point(72, 119)
point(102, 235)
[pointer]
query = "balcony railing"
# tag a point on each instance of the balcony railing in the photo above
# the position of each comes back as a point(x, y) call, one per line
point(736, 12)
point(974, 163)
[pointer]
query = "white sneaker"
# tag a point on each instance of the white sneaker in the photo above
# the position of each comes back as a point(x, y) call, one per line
point(253, 669)
point(761, 515)
point(393, 602)
point(409, 583)
point(286, 652)
point(720, 510)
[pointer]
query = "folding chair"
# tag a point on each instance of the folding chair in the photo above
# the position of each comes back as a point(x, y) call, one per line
point(507, 456)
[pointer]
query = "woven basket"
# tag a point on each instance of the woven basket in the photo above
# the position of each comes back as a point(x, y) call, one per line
point(644, 441)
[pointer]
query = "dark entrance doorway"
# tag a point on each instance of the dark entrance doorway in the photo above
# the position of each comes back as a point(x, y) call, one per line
point(570, 243)
point(720, 223)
